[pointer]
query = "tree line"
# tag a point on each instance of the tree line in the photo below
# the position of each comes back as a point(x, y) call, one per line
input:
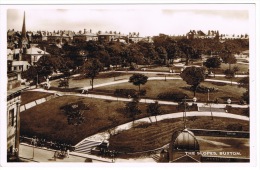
point(162, 52)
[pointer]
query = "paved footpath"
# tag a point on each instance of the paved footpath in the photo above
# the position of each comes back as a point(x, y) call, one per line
point(35, 154)
point(40, 155)
point(106, 97)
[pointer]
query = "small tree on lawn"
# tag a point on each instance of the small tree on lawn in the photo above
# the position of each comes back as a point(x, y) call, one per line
point(153, 109)
point(193, 76)
point(64, 82)
point(244, 82)
point(235, 69)
point(229, 74)
point(229, 59)
point(213, 62)
point(138, 79)
point(74, 112)
point(92, 69)
point(132, 109)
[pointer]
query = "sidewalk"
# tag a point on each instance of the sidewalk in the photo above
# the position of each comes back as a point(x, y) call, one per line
point(42, 155)
point(35, 154)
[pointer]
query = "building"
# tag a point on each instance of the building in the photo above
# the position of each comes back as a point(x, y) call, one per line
point(203, 145)
point(15, 66)
point(59, 37)
point(13, 118)
point(85, 36)
point(184, 142)
point(15, 62)
point(33, 54)
point(193, 34)
point(106, 37)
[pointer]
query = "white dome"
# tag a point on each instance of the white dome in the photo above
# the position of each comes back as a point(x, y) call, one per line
point(185, 141)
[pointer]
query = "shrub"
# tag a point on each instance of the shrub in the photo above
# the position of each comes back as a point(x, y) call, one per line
point(173, 96)
point(203, 89)
point(124, 92)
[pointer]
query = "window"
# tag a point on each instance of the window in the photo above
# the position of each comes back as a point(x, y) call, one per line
point(11, 117)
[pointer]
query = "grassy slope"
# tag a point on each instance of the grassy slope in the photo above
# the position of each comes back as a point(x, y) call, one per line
point(29, 96)
point(152, 136)
point(46, 120)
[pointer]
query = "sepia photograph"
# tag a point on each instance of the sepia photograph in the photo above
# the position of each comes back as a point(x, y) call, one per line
point(147, 83)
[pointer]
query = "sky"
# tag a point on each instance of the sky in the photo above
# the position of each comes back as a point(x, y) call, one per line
point(147, 20)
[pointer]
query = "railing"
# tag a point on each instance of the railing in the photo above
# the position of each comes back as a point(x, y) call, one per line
point(47, 144)
point(220, 133)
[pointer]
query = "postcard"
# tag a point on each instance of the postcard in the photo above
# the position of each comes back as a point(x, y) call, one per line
point(129, 83)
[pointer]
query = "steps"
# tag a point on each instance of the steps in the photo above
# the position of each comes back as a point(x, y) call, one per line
point(86, 146)
point(155, 157)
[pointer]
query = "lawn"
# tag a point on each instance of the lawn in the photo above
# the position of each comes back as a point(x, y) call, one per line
point(155, 87)
point(29, 96)
point(235, 79)
point(148, 136)
point(47, 121)
point(104, 77)
point(242, 68)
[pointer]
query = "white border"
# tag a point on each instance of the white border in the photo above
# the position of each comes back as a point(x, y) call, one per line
point(254, 83)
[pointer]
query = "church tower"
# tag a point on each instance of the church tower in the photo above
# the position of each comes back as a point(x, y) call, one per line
point(24, 40)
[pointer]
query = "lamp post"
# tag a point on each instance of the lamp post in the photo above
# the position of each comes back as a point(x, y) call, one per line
point(208, 95)
point(184, 112)
point(229, 101)
point(194, 100)
point(33, 143)
point(210, 110)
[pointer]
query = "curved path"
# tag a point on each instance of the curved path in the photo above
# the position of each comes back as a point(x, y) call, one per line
point(105, 97)
point(168, 73)
point(154, 78)
point(105, 135)
point(142, 100)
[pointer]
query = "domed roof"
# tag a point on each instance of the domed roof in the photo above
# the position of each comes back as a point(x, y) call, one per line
point(185, 141)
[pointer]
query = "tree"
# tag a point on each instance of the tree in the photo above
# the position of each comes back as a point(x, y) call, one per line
point(193, 76)
point(230, 73)
point(162, 54)
point(229, 59)
point(213, 62)
point(91, 69)
point(74, 112)
point(153, 109)
point(64, 82)
point(235, 69)
point(132, 109)
point(44, 67)
point(138, 79)
point(244, 82)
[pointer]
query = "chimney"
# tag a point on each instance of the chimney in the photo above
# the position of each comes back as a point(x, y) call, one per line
point(85, 31)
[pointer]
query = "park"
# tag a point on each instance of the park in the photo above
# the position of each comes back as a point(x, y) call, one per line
point(128, 100)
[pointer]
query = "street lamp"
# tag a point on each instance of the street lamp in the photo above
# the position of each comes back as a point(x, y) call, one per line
point(34, 142)
point(229, 101)
point(194, 100)
point(208, 95)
